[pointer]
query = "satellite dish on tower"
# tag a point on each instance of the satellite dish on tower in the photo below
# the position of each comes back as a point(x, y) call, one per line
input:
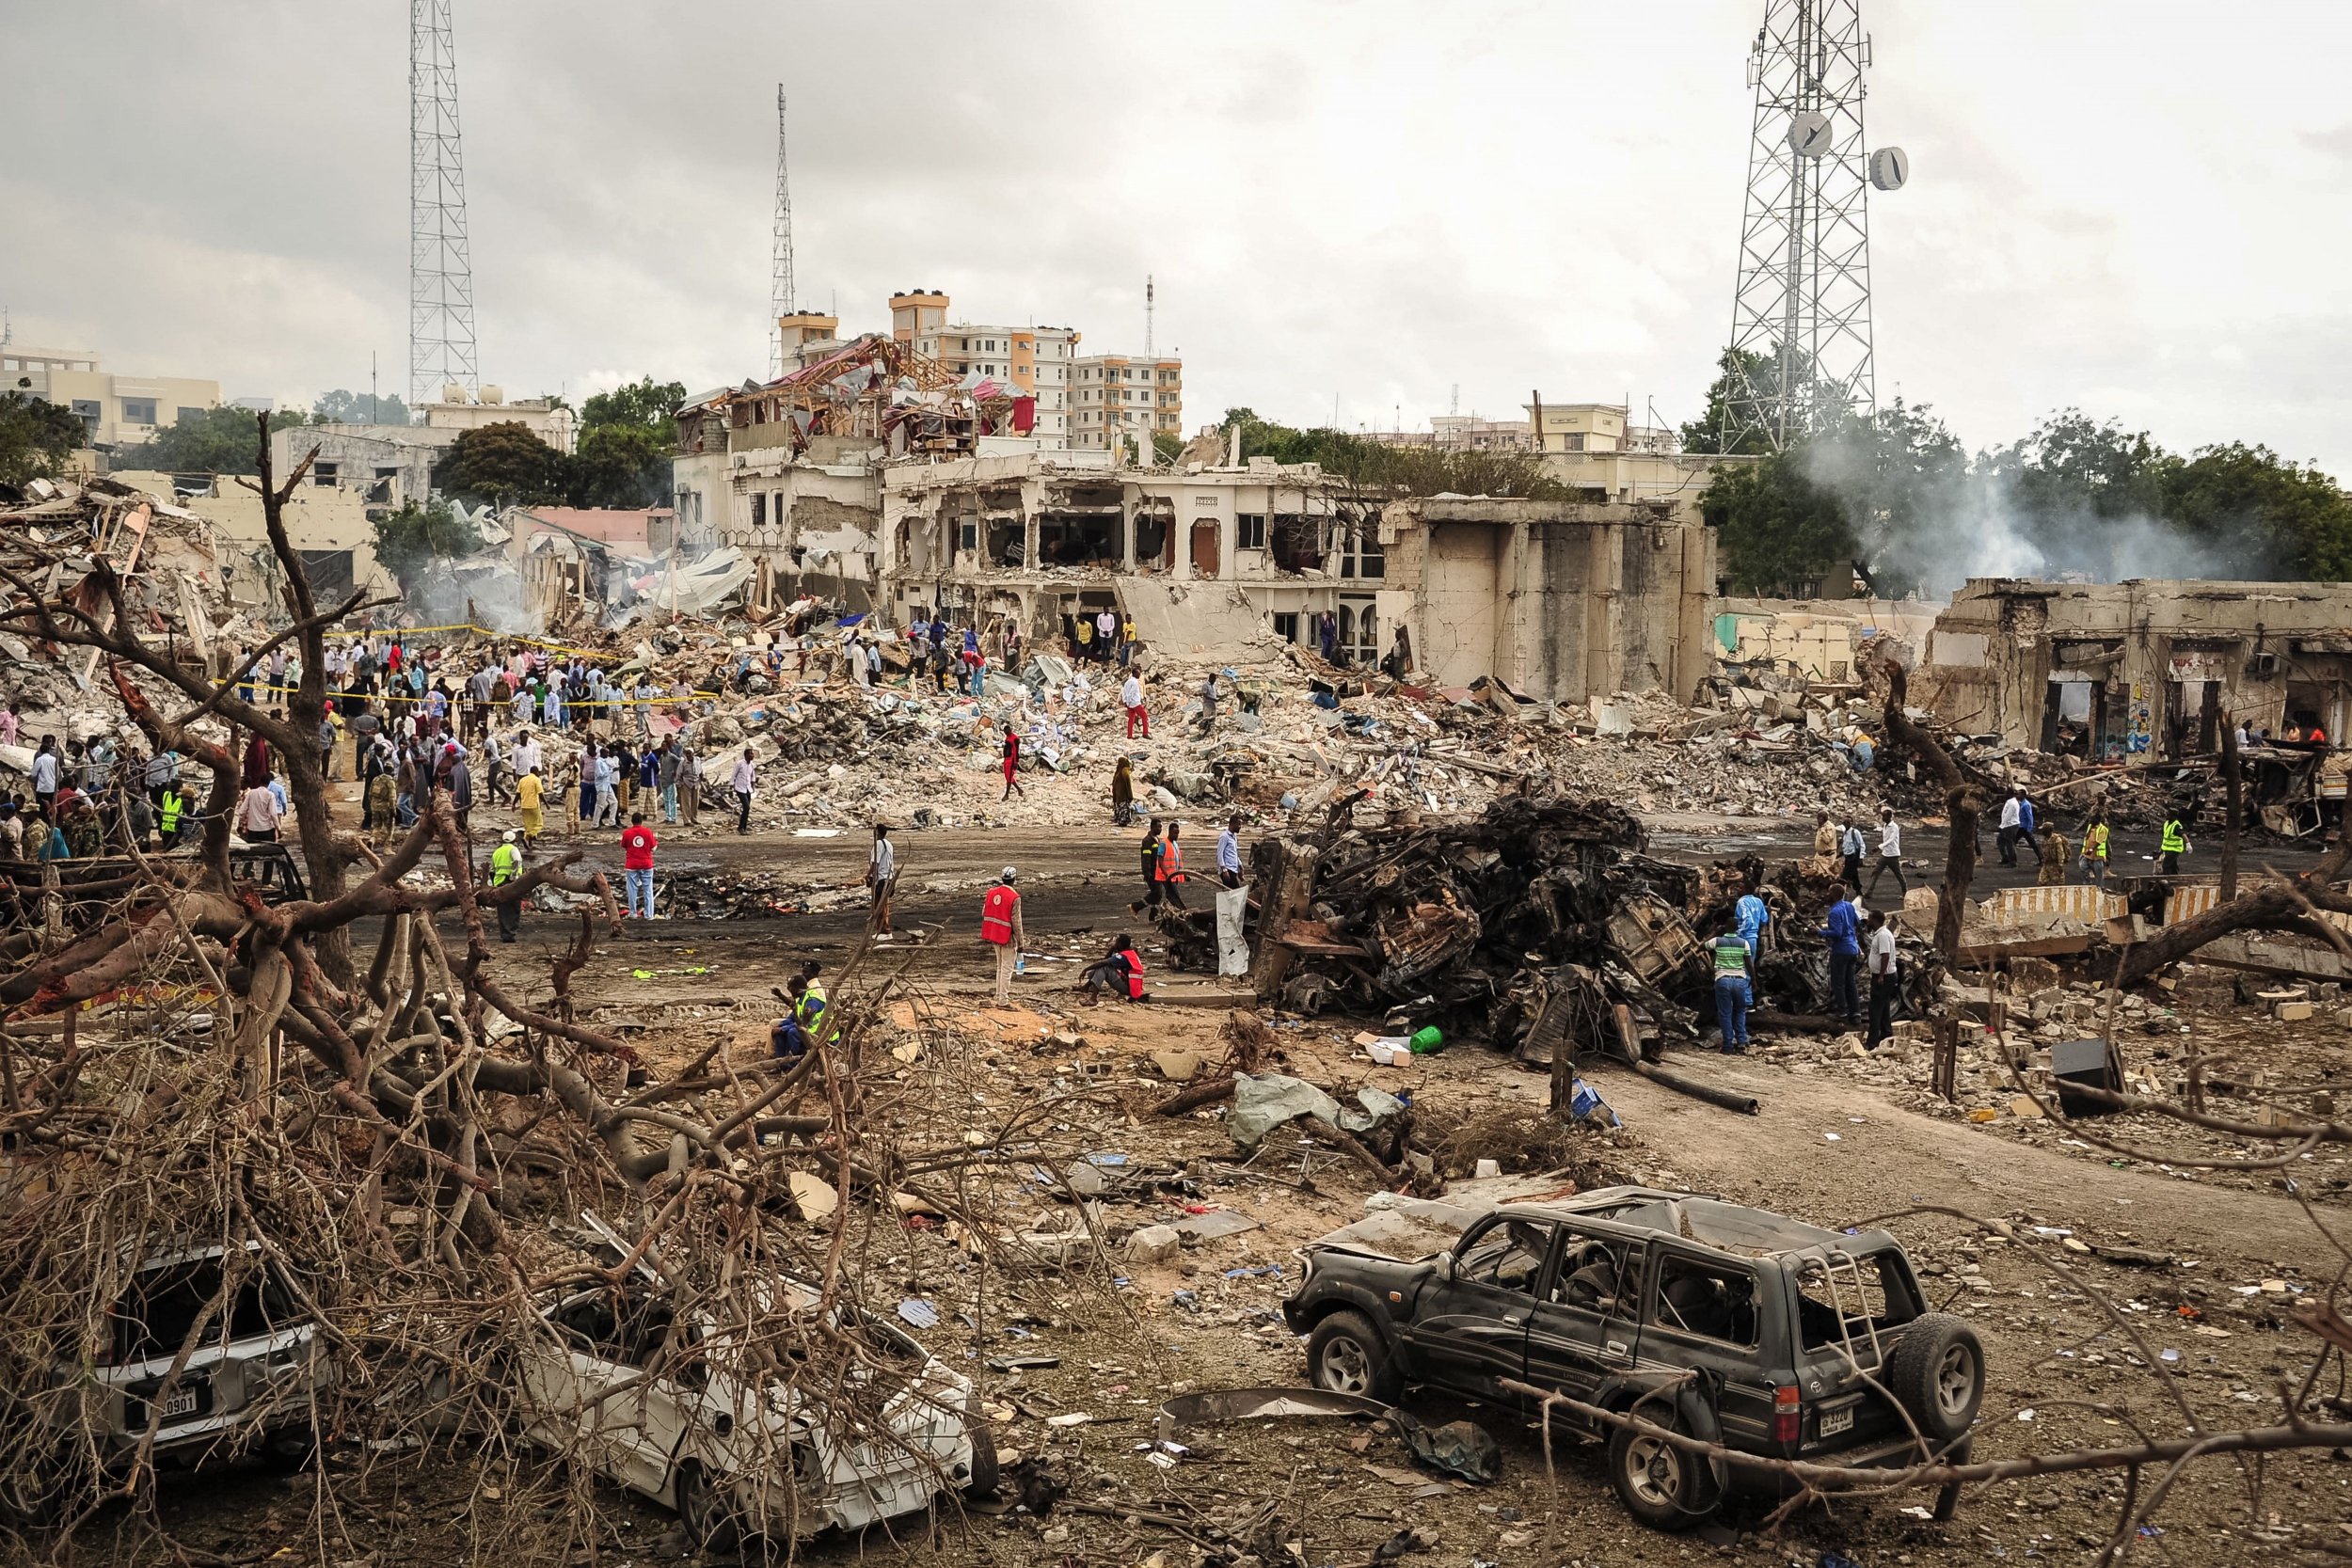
point(1809, 133)
point(1889, 168)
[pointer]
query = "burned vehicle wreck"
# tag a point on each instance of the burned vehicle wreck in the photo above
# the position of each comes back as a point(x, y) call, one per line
point(1729, 1325)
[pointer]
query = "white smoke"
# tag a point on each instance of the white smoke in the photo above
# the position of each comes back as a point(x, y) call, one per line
point(1936, 531)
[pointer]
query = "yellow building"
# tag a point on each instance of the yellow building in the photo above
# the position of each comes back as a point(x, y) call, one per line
point(118, 410)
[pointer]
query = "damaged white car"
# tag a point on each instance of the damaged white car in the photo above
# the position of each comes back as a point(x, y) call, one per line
point(800, 1420)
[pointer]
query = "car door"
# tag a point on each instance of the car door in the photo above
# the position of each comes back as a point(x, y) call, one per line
point(1587, 1325)
point(1475, 1328)
point(1706, 1312)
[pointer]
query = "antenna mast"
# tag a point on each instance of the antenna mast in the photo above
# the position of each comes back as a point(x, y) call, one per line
point(780, 289)
point(1801, 310)
point(441, 347)
point(1146, 317)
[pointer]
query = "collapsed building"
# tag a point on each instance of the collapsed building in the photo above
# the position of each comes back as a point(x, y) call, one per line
point(2139, 669)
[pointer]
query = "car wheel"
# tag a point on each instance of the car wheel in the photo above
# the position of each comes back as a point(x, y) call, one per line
point(1346, 1356)
point(1937, 1375)
point(710, 1521)
point(1659, 1484)
point(982, 1483)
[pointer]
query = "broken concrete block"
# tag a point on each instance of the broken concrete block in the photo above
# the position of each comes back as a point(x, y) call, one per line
point(2291, 1012)
point(1177, 1067)
point(1153, 1243)
point(2024, 1106)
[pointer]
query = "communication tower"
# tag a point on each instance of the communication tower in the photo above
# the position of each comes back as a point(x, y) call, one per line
point(1801, 305)
point(442, 349)
point(780, 302)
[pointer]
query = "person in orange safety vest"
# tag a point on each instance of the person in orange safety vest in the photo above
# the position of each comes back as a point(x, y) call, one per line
point(1168, 870)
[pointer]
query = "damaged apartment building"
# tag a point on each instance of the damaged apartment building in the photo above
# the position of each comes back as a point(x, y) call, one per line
point(2107, 671)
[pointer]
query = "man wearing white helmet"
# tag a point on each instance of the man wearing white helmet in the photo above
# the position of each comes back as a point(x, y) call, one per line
point(506, 864)
point(1000, 925)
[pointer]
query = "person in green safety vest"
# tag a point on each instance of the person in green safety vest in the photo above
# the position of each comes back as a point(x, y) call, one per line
point(172, 810)
point(2173, 844)
point(1734, 964)
point(506, 864)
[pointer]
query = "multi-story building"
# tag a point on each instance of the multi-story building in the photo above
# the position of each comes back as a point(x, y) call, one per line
point(1598, 452)
point(117, 410)
point(381, 465)
point(1117, 401)
point(1035, 361)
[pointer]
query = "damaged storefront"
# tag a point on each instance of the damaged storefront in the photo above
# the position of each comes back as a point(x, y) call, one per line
point(2153, 670)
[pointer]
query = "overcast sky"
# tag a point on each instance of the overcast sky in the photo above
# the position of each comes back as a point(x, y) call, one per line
point(2133, 209)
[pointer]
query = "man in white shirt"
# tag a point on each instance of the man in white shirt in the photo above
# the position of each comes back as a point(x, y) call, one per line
point(257, 816)
point(2012, 813)
point(527, 755)
point(1105, 634)
point(1131, 698)
point(744, 777)
point(1879, 955)
point(882, 871)
point(1891, 852)
point(1851, 848)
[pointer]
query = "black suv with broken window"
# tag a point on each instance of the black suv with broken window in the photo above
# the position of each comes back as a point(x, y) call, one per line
point(1729, 1325)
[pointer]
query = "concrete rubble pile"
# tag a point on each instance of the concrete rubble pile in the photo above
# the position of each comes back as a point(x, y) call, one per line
point(53, 534)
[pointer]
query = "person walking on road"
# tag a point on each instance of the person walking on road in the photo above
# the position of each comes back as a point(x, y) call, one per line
point(527, 805)
point(2174, 842)
point(2028, 827)
point(1229, 852)
point(2055, 852)
point(2012, 807)
point(1131, 698)
point(2095, 849)
point(506, 864)
point(1851, 846)
point(1891, 852)
point(636, 847)
point(1168, 869)
point(1882, 965)
point(1734, 963)
point(1012, 763)
point(1843, 933)
point(1152, 892)
point(745, 775)
point(881, 876)
point(1000, 926)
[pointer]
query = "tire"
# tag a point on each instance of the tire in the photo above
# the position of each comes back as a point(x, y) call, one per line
point(1937, 1375)
point(1345, 1355)
point(709, 1520)
point(1659, 1484)
point(982, 1485)
point(286, 1451)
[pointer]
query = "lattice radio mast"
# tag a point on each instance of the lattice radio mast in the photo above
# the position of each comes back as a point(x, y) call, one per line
point(1148, 353)
point(780, 289)
point(441, 347)
point(1803, 300)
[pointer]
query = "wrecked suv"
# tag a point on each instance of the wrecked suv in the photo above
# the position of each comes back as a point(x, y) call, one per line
point(1768, 1336)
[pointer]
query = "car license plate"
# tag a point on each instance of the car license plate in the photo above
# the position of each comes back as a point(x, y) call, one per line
point(1835, 1421)
point(181, 1403)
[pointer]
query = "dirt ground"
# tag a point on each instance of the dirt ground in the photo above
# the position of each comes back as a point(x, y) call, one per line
point(1837, 1142)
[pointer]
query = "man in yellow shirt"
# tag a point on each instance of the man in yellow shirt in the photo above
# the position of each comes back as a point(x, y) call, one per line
point(527, 790)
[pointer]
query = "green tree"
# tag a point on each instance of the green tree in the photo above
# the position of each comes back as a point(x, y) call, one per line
point(213, 441)
point(410, 539)
point(1706, 434)
point(35, 436)
point(620, 465)
point(2072, 465)
point(1776, 527)
point(2295, 514)
point(342, 406)
point(1166, 446)
point(646, 404)
point(503, 465)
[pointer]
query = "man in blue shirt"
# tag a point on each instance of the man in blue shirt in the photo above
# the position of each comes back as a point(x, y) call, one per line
point(1844, 936)
point(2026, 833)
point(1229, 852)
point(1753, 917)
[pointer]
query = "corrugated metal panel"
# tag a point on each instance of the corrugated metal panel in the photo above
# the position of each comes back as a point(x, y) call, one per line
point(2075, 900)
